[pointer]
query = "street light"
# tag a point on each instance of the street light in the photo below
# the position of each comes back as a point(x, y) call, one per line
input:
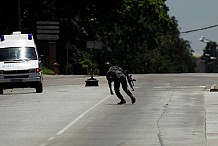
point(204, 40)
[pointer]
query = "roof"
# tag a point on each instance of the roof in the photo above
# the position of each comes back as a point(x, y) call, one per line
point(17, 40)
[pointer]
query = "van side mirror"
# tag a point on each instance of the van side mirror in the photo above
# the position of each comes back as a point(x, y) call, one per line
point(42, 57)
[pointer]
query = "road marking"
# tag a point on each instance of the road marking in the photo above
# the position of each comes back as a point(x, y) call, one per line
point(136, 87)
point(82, 115)
point(203, 86)
point(51, 138)
point(162, 87)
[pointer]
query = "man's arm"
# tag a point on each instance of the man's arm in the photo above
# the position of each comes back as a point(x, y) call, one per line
point(130, 81)
point(109, 84)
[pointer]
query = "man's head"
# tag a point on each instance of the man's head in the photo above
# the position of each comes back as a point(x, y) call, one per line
point(126, 72)
point(107, 65)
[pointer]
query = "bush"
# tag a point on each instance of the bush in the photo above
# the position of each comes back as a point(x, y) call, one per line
point(47, 71)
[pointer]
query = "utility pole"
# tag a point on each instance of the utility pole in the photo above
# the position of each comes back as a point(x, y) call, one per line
point(19, 15)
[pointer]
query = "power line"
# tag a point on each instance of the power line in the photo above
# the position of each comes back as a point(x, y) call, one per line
point(199, 29)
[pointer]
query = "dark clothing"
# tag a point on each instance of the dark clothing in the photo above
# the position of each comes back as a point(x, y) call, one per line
point(123, 82)
point(115, 72)
point(118, 76)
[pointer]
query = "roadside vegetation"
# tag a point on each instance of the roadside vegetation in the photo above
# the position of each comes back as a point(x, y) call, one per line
point(138, 35)
point(47, 71)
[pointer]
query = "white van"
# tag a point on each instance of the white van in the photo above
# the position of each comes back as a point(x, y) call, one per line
point(20, 65)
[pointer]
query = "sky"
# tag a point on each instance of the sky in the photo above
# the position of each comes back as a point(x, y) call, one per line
point(195, 14)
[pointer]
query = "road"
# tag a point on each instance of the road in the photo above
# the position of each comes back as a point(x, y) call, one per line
point(169, 111)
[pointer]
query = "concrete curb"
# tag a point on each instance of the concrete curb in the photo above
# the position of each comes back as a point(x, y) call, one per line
point(214, 88)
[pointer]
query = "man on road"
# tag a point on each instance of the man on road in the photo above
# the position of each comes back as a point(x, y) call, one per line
point(118, 76)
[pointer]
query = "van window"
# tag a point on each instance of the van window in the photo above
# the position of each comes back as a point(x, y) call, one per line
point(16, 54)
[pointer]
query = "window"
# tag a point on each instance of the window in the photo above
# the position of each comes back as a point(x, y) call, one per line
point(16, 54)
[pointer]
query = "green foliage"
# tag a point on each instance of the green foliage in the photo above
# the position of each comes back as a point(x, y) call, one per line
point(90, 67)
point(47, 71)
point(138, 35)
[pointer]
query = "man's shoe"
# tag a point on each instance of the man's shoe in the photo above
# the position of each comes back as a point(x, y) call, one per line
point(122, 102)
point(133, 100)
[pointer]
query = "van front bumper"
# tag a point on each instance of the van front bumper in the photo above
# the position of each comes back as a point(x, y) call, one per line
point(20, 83)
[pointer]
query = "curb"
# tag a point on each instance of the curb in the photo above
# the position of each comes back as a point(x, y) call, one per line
point(213, 88)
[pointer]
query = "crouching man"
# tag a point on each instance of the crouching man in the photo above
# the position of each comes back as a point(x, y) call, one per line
point(118, 76)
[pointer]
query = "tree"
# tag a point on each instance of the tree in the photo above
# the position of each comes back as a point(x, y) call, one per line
point(138, 35)
point(142, 36)
point(8, 16)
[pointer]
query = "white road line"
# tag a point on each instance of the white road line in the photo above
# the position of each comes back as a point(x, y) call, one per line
point(82, 115)
point(136, 87)
point(51, 138)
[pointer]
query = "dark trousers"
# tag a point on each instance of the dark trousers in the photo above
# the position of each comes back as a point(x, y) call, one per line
point(123, 82)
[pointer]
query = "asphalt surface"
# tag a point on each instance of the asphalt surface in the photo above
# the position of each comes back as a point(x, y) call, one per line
point(211, 104)
point(171, 109)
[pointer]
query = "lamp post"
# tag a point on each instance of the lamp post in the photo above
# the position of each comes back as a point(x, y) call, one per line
point(204, 40)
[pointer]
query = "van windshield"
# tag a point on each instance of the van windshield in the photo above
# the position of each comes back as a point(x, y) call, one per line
point(17, 54)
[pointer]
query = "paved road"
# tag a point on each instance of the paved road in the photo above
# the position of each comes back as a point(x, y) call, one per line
point(171, 109)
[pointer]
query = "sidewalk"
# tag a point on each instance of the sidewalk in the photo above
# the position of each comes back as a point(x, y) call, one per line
point(211, 105)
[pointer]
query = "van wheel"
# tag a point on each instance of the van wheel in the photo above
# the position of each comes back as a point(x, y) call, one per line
point(39, 88)
point(1, 91)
